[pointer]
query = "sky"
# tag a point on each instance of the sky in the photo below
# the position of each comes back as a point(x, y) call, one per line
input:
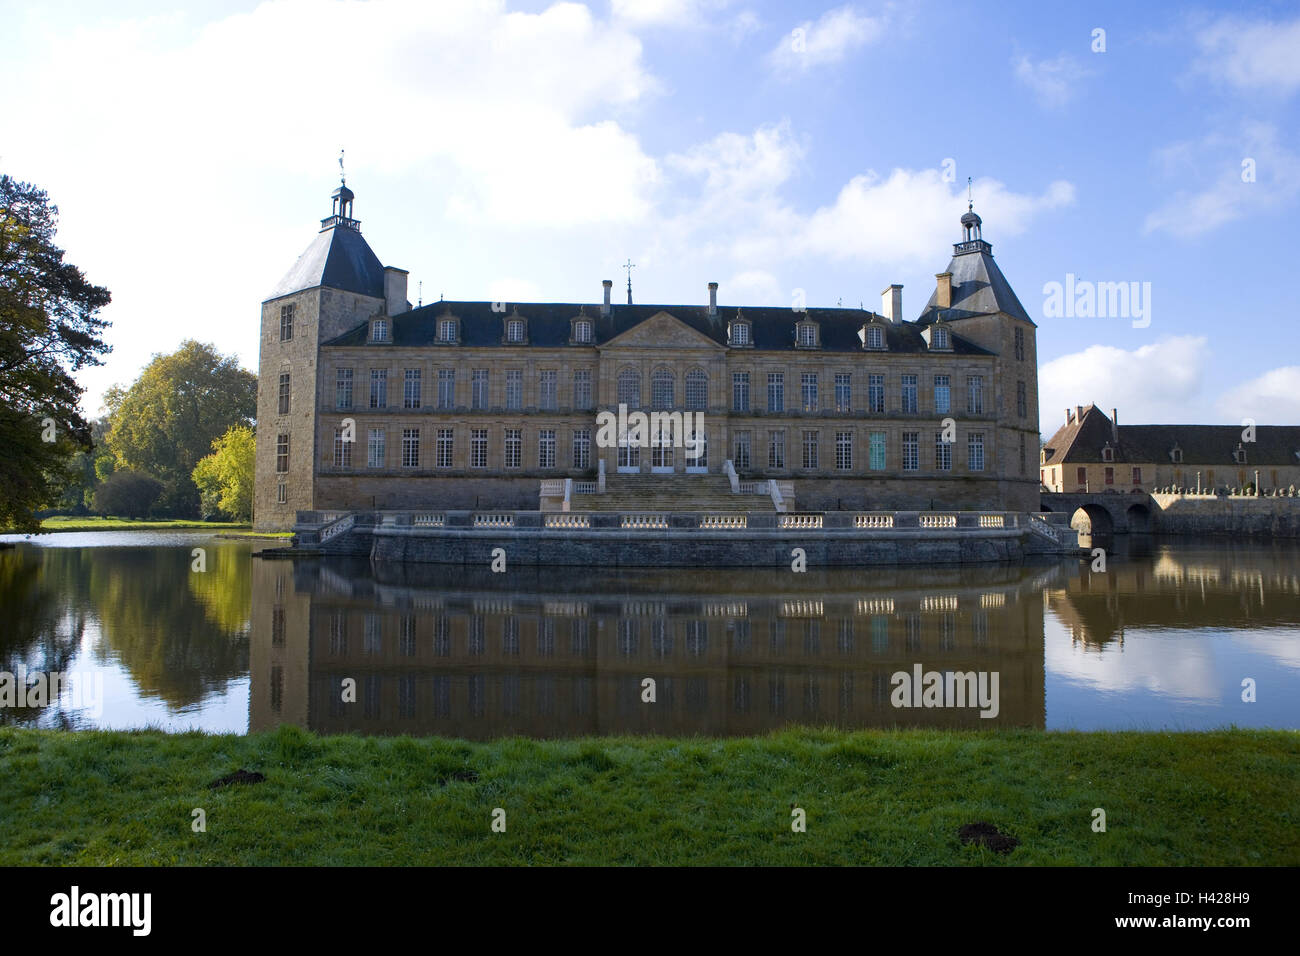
point(523, 151)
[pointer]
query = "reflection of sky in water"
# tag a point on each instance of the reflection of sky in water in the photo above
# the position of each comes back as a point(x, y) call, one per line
point(1174, 678)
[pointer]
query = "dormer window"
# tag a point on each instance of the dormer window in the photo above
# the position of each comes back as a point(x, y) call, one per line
point(738, 333)
point(583, 331)
point(1239, 456)
point(1108, 453)
point(1176, 455)
point(447, 331)
point(873, 337)
point(806, 335)
point(379, 330)
point(515, 330)
point(939, 339)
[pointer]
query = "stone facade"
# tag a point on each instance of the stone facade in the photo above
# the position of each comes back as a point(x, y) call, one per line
point(472, 404)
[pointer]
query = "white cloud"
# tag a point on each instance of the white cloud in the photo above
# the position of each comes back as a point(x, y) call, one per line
point(830, 39)
point(676, 13)
point(1053, 82)
point(1271, 398)
point(511, 289)
point(1252, 56)
point(1155, 384)
point(753, 287)
point(1226, 197)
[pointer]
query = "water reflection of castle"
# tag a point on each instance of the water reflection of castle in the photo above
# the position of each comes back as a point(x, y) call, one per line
point(1229, 587)
point(441, 651)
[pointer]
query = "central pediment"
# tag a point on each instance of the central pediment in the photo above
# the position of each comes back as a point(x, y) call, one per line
point(663, 330)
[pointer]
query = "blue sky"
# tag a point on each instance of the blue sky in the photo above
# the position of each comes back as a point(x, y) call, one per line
point(524, 150)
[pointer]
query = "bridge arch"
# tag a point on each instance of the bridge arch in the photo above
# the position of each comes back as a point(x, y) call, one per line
point(1139, 517)
point(1092, 519)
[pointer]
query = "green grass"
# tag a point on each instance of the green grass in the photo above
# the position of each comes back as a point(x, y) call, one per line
point(93, 523)
point(871, 797)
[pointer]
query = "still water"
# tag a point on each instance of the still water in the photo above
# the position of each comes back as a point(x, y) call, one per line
point(1164, 638)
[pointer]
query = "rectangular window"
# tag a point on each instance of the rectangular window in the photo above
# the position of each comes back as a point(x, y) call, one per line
point(546, 448)
point(1024, 464)
point(411, 388)
point(1110, 476)
point(582, 448)
point(281, 454)
point(1020, 344)
point(876, 393)
point(286, 323)
point(342, 450)
point(478, 444)
point(975, 395)
point(942, 453)
point(909, 394)
point(843, 392)
point(844, 451)
point(343, 388)
point(479, 388)
point(445, 448)
point(1082, 475)
point(975, 451)
point(379, 388)
point(877, 451)
point(942, 395)
point(410, 448)
point(284, 393)
point(808, 391)
point(740, 391)
point(375, 452)
point(514, 447)
point(547, 389)
point(1022, 400)
point(776, 391)
point(741, 455)
point(810, 449)
point(582, 389)
point(446, 388)
point(282, 494)
point(776, 449)
point(911, 451)
point(514, 389)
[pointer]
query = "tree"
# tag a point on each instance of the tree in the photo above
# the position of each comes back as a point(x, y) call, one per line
point(169, 418)
point(49, 329)
point(225, 478)
point(127, 494)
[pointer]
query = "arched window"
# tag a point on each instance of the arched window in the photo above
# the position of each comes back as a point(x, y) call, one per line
point(663, 388)
point(739, 332)
point(582, 331)
point(1108, 453)
point(629, 387)
point(697, 389)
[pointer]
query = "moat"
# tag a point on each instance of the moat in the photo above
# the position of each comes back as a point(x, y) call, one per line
point(1164, 638)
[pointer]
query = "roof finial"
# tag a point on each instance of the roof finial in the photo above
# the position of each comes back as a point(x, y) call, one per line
point(970, 203)
point(343, 176)
point(629, 266)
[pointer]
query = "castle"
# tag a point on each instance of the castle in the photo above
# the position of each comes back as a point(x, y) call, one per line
point(367, 403)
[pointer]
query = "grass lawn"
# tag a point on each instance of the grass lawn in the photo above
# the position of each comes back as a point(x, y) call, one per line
point(871, 797)
point(93, 523)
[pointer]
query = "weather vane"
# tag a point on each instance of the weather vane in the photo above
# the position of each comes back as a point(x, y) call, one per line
point(970, 203)
point(343, 176)
point(629, 266)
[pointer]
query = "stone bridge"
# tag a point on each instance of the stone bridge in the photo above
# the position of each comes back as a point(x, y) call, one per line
point(1103, 512)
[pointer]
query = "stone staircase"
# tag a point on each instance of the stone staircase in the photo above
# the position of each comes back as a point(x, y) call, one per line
point(667, 493)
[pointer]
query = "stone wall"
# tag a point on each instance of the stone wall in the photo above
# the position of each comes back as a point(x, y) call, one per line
point(1204, 515)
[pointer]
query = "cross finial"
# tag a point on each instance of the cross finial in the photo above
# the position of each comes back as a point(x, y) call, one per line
point(629, 266)
point(343, 176)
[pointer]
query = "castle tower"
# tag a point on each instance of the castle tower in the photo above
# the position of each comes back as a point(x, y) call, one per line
point(336, 284)
point(974, 298)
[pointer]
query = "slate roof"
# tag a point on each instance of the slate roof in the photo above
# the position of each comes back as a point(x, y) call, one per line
point(773, 327)
point(338, 258)
point(978, 288)
point(1082, 442)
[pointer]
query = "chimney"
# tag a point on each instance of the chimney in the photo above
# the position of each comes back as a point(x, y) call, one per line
point(608, 284)
point(394, 290)
point(1114, 424)
point(891, 303)
point(943, 291)
point(1069, 417)
point(713, 298)
point(1078, 412)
